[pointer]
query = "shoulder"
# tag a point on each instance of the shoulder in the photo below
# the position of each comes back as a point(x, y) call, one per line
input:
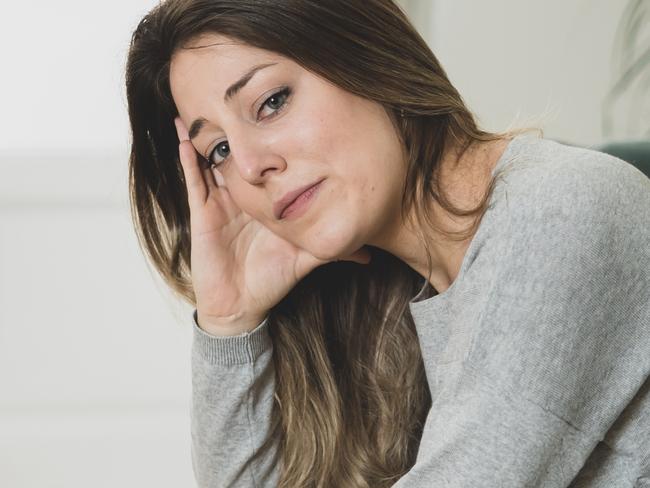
point(575, 253)
point(575, 241)
point(568, 309)
point(558, 196)
point(554, 169)
point(580, 175)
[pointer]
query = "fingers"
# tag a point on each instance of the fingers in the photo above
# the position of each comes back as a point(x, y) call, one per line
point(208, 175)
point(181, 130)
point(220, 180)
point(194, 179)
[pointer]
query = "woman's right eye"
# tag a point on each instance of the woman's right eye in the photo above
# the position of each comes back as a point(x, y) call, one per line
point(222, 149)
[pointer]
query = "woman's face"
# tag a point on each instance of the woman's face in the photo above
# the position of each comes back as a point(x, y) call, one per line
point(287, 128)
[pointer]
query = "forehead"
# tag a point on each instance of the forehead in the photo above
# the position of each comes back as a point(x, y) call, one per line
point(214, 59)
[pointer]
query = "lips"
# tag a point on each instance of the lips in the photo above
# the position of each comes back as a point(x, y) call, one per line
point(289, 198)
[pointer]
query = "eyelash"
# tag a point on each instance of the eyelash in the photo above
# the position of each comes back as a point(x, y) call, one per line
point(286, 92)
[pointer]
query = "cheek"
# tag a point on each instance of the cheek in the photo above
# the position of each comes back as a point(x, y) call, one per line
point(373, 197)
point(326, 129)
point(312, 139)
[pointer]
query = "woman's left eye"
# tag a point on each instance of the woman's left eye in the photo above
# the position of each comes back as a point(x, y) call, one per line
point(277, 101)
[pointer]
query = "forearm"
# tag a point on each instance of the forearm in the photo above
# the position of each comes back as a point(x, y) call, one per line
point(233, 383)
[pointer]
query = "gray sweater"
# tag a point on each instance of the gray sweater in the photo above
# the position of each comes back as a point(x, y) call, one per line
point(537, 356)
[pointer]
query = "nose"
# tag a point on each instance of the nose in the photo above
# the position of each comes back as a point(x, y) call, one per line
point(256, 157)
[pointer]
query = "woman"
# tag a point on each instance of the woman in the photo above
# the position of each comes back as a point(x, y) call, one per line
point(384, 294)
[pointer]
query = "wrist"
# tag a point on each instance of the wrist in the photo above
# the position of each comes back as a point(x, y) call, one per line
point(228, 326)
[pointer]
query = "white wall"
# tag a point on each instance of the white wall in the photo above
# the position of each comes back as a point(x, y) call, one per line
point(62, 83)
point(94, 352)
point(62, 76)
point(514, 61)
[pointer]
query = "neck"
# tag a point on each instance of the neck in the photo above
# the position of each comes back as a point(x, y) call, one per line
point(465, 183)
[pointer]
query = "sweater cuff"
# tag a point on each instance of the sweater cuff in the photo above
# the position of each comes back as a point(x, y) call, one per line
point(238, 349)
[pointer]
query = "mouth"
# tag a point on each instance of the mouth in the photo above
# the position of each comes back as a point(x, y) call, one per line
point(296, 203)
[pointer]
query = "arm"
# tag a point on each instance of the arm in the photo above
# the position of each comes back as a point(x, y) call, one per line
point(233, 383)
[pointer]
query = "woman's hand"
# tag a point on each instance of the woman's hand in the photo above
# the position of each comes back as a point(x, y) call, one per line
point(240, 269)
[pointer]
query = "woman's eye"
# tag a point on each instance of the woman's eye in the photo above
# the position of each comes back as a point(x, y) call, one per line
point(222, 149)
point(275, 102)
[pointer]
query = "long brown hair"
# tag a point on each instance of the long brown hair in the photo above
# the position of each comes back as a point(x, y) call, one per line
point(351, 393)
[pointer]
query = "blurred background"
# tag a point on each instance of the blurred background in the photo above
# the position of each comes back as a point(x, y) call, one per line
point(94, 351)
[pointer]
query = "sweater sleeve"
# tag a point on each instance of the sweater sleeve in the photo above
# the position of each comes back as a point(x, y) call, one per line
point(233, 386)
point(553, 390)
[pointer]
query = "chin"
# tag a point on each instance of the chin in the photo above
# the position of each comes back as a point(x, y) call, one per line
point(332, 242)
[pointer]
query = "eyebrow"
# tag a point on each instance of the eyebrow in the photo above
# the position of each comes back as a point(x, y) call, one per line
point(232, 90)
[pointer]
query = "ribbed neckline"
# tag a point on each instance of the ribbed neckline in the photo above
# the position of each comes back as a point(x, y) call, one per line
point(427, 288)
